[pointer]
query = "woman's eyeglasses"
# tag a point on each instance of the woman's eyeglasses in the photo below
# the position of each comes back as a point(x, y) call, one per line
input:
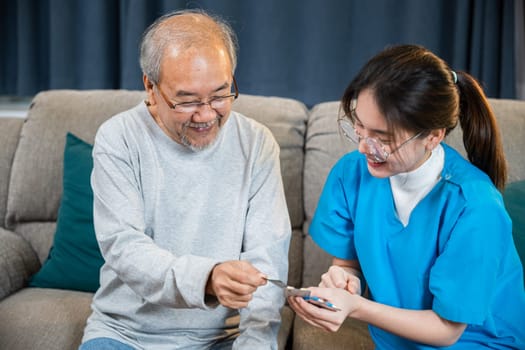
point(376, 148)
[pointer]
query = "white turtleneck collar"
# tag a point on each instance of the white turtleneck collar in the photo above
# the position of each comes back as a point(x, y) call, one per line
point(409, 188)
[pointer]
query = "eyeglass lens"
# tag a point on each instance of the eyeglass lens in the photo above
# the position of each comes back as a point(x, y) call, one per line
point(217, 103)
point(348, 130)
point(375, 147)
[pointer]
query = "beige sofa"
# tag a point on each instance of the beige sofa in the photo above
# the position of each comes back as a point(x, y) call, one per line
point(31, 155)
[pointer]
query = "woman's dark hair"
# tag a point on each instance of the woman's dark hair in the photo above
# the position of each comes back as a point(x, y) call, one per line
point(416, 90)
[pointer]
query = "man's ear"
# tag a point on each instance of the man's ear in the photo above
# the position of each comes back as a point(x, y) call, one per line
point(148, 86)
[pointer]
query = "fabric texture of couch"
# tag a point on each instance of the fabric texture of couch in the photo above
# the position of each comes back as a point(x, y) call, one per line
point(31, 188)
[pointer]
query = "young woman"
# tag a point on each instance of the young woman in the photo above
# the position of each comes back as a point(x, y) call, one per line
point(426, 228)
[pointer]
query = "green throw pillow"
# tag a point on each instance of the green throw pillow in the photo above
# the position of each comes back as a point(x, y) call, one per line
point(74, 260)
point(514, 198)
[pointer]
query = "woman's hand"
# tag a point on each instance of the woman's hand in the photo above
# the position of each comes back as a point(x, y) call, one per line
point(323, 318)
point(343, 277)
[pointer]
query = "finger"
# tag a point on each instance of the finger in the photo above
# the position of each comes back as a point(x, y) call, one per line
point(229, 295)
point(296, 307)
point(335, 277)
point(236, 277)
point(322, 292)
point(299, 305)
point(313, 315)
point(235, 290)
point(319, 317)
point(331, 279)
point(326, 281)
point(235, 301)
point(246, 273)
point(340, 277)
point(233, 304)
point(232, 298)
point(312, 311)
point(354, 285)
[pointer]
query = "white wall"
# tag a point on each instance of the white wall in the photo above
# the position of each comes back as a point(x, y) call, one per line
point(14, 108)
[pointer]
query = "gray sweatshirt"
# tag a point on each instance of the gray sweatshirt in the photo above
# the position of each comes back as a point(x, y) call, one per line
point(165, 215)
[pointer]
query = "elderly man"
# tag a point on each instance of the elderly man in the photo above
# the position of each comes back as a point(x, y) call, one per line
point(189, 211)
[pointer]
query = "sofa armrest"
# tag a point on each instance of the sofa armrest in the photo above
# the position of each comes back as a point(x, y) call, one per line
point(18, 262)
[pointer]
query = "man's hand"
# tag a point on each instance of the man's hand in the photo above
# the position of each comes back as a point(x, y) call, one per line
point(234, 282)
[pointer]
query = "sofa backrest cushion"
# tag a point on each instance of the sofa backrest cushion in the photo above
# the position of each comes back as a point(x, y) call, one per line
point(36, 179)
point(325, 145)
point(511, 120)
point(286, 118)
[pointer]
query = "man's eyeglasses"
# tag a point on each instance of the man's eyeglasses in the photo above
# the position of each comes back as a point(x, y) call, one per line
point(215, 102)
point(377, 149)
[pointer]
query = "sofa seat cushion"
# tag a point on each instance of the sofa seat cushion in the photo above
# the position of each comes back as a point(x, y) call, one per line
point(18, 261)
point(353, 335)
point(287, 322)
point(50, 319)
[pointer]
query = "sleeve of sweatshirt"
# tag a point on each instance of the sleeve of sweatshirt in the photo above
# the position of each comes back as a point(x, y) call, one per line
point(266, 243)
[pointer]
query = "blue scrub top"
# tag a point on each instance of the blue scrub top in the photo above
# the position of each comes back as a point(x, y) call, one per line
point(456, 256)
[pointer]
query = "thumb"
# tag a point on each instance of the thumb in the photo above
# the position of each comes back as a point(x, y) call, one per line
point(252, 275)
point(353, 286)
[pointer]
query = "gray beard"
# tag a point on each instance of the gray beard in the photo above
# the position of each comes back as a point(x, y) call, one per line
point(186, 142)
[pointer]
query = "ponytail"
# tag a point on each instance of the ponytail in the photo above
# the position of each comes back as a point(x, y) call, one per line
point(481, 134)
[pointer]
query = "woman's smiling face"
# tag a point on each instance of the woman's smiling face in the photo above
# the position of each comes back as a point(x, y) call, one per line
point(406, 151)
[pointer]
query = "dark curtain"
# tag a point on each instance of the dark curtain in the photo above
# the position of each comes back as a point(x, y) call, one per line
point(303, 49)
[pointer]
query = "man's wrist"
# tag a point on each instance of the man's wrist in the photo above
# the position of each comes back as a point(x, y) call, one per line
point(210, 298)
point(208, 289)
